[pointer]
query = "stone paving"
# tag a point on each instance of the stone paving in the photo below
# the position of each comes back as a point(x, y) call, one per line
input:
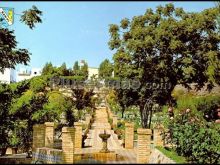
point(93, 143)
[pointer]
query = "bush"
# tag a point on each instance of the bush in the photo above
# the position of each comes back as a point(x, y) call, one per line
point(205, 105)
point(196, 140)
point(208, 106)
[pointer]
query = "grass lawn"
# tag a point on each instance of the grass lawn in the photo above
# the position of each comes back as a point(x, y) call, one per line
point(172, 155)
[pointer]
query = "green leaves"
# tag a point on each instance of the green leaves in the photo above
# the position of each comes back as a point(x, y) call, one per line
point(10, 54)
point(192, 136)
point(105, 69)
point(31, 17)
point(124, 24)
point(169, 44)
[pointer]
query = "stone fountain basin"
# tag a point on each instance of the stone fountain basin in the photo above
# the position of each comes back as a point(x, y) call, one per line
point(104, 136)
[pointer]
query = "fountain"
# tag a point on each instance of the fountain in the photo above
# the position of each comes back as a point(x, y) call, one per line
point(104, 136)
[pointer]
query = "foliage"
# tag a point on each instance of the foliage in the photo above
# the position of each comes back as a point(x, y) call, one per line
point(168, 46)
point(105, 69)
point(208, 106)
point(48, 69)
point(5, 124)
point(63, 71)
point(84, 71)
point(177, 93)
point(82, 98)
point(11, 55)
point(76, 68)
point(38, 84)
point(205, 105)
point(31, 17)
point(218, 19)
point(172, 155)
point(56, 105)
point(14, 140)
point(194, 138)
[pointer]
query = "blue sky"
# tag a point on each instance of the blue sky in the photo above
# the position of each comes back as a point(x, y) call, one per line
point(78, 30)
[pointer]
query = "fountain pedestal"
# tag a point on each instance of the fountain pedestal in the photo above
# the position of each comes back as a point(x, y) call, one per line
point(104, 138)
point(104, 154)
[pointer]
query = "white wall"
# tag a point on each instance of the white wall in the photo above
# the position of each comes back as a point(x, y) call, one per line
point(8, 76)
point(92, 71)
point(24, 74)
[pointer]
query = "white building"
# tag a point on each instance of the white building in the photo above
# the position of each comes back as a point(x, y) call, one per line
point(8, 76)
point(24, 74)
point(93, 72)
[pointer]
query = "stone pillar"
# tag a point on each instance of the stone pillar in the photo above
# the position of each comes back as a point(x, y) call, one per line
point(143, 148)
point(88, 118)
point(49, 134)
point(158, 140)
point(38, 136)
point(129, 135)
point(114, 120)
point(78, 135)
point(68, 139)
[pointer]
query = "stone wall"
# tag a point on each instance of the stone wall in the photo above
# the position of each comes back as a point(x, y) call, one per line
point(157, 157)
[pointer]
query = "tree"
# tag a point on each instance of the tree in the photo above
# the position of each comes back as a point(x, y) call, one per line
point(62, 70)
point(76, 68)
point(105, 69)
point(5, 122)
point(168, 46)
point(48, 69)
point(218, 18)
point(84, 70)
point(123, 72)
point(31, 17)
point(29, 109)
point(10, 54)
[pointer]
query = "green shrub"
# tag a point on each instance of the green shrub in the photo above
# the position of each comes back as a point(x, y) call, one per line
point(195, 139)
point(208, 106)
point(203, 105)
point(178, 92)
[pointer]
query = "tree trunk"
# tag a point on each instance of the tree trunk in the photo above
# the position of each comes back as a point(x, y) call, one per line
point(123, 111)
point(150, 117)
point(144, 115)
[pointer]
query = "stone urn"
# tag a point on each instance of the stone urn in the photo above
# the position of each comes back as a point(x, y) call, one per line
point(104, 136)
